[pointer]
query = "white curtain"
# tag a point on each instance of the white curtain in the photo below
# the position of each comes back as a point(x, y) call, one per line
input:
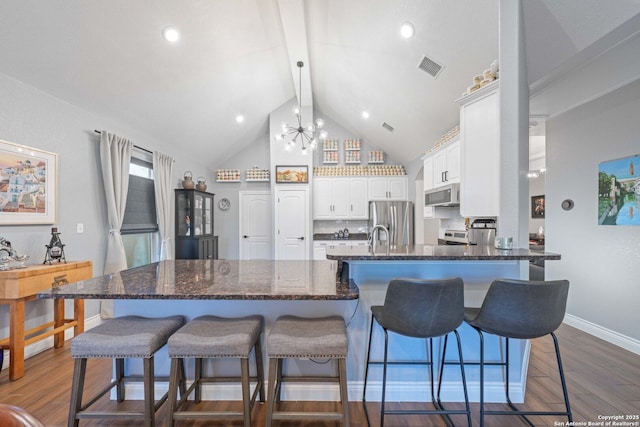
point(115, 155)
point(162, 173)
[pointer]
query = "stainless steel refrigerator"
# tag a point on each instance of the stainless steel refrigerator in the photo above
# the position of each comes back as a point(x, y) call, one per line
point(397, 217)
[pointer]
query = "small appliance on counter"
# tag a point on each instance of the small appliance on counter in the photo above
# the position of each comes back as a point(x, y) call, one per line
point(482, 232)
point(456, 237)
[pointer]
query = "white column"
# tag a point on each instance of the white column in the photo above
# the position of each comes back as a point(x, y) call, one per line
point(514, 125)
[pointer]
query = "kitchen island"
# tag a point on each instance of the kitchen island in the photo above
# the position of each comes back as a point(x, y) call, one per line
point(478, 266)
point(228, 288)
point(348, 283)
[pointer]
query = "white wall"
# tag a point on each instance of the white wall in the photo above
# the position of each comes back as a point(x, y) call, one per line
point(31, 117)
point(602, 262)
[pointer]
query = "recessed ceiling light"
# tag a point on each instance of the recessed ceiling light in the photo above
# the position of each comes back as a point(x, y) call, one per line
point(170, 34)
point(365, 115)
point(407, 30)
point(239, 118)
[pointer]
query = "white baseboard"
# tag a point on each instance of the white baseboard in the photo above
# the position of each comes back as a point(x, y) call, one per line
point(47, 343)
point(613, 337)
point(396, 391)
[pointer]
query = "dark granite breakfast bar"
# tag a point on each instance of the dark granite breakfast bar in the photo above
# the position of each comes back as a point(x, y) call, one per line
point(215, 280)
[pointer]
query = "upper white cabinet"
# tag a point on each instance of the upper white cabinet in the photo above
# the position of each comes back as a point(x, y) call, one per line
point(442, 166)
point(446, 164)
point(340, 198)
point(388, 188)
point(427, 170)
point(358, 198)
point(480, 148)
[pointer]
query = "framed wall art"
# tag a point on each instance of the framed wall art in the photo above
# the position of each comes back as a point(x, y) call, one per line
point(28, 185)
point(537, 206)
point(292, 174)
point(619, 191)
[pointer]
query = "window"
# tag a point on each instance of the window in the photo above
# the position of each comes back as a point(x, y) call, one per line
point(140, 222)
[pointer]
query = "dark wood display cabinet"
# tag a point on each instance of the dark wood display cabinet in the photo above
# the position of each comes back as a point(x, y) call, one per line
point(194, 225)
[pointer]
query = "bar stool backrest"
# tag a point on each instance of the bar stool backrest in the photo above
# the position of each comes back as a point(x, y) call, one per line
point(423, 308)
point(523, 309)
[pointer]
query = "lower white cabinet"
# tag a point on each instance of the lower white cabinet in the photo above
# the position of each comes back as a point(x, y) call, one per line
point(320, 246)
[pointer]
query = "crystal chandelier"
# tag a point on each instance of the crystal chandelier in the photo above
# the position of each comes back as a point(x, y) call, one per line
point(306, 134)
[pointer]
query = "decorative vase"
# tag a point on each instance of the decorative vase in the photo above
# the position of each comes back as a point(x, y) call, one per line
point(201, 185)
point(188, 183)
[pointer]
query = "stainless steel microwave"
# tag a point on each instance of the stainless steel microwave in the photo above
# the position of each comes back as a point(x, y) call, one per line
point(448, 195)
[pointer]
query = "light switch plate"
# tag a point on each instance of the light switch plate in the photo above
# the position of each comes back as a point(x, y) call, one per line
point(79, 228)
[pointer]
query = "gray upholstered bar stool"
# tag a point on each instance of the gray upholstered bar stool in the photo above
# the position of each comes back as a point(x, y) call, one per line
point(120, 338)
point(211, 337)
point(520, 309)
point(300, 337)
point(423, 309)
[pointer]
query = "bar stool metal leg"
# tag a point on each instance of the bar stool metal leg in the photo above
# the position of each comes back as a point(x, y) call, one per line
point(77, 385)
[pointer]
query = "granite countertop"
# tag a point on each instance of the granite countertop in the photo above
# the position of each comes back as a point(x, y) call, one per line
point(435, 252)
point(216, 279)
point(330, 236)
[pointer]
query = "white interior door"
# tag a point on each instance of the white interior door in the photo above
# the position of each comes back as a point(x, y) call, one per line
point(292, 223)
point(255, 225)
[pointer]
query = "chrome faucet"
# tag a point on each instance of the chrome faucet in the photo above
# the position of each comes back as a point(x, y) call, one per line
point(373, 235)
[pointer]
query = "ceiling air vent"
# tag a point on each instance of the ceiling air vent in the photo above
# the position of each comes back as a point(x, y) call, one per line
point(430, 66)
point(387, 126)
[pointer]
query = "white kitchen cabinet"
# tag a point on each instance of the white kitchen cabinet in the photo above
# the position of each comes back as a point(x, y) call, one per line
point(388, 188)
point(446, 164)
point(427, 172)
point(442, 167)
point(320, 249)
point(480, 152)
point(340, 198)
point(320, 246)
point(358, 198)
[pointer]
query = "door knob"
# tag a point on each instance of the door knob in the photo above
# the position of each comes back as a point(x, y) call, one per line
point(301, 238)
point(245, 237)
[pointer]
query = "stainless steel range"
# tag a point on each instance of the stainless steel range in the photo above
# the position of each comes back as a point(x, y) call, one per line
point(456, 237)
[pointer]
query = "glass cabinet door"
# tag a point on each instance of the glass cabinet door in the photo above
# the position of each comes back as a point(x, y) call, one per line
point(194, 213)
point(207, 215)
point(183, 215)
point(198, 214)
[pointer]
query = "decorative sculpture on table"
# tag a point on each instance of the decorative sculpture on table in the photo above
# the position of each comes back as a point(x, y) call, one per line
point(9, 258)
point(55, 248)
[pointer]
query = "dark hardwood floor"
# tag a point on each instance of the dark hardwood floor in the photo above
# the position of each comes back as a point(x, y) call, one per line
point(603, 380)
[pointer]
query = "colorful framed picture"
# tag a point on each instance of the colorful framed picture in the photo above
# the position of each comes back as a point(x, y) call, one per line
point(619, 191)
point(286, 174)
point(28, 185)
point(537, 206)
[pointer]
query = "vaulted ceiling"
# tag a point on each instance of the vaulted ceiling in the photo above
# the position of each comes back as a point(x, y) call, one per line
point(238, 57)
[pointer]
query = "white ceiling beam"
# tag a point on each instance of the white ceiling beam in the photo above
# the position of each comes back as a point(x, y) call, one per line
point(295, 34)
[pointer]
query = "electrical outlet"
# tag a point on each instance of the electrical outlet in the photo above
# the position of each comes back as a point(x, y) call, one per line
point(79, 228)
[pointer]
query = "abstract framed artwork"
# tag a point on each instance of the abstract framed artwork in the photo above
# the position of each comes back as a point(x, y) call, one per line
point(28, 185)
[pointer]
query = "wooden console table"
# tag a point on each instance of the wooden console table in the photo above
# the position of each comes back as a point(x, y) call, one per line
point(21, 285)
